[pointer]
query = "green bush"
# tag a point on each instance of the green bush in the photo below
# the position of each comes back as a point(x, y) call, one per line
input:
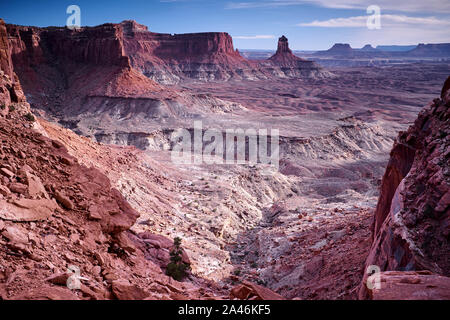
point(30, 117)
point(177, 269)
point(3, 107)
point(12, 108)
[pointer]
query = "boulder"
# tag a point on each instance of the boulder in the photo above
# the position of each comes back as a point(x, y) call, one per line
point(35, 187)
point(15, 235)
point(4, 191)
point(46, 293)
point(27, 209)
point(124, 290)
point(18, 188)
point(6, 172)
point(63, 200)
point(410, 285)
point(251, 291)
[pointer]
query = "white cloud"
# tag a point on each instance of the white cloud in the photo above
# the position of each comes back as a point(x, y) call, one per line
point(437, 6)
point(256, 37)
point(387, 20)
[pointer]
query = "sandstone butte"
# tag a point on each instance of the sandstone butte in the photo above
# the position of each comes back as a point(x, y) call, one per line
point(70, 214)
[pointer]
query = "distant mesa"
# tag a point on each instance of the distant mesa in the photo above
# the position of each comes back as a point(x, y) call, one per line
point(395, 48)
point(368, 47)
point(340, 48)
point(431, 50)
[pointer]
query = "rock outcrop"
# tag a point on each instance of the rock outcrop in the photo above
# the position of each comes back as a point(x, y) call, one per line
point(285, 64)
point(10, 88)
point(411, 285)
point(284, 55)
point(411, 225)
point(60, 67)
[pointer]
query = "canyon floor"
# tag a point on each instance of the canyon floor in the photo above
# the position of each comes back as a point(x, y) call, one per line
point(302, 230)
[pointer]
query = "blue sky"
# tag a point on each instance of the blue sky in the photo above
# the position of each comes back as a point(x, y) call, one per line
point(309, 24)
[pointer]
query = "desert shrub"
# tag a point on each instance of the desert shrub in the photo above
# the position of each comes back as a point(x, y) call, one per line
point(12, 108)
point(237, 272)
point(177, 269)
point(30, 117)
point(3, 107)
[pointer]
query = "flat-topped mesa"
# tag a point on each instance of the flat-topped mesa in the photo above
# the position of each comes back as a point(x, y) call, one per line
point(58, 66)
point(100, 45)
point(368, 47)
point(431, 50)
point(341, 49)
point(169, 57)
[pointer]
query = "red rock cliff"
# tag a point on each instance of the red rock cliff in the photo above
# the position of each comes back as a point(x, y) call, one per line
point(178, 47)
point(60, 67)
point(101, 45)
point(411, 229)
point(10, 88)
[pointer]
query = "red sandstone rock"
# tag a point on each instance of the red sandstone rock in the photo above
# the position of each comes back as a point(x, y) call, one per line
point(412, 221)
point(411, 285)
point(124, 290)
point(251, 291)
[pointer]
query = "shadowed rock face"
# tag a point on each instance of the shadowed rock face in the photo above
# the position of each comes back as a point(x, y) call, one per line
point(290, 65)
point(284, 55)
point(10, 88)
point(5, 57)
point(411, 225)
point(283, 45)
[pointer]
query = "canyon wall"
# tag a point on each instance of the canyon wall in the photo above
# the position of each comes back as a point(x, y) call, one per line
point(167, 58)
point(208, 56)
point(10, 88)
point(65, 72)
point(411, 226)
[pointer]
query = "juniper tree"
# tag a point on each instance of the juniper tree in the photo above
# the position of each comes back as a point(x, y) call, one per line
point(177, 269)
